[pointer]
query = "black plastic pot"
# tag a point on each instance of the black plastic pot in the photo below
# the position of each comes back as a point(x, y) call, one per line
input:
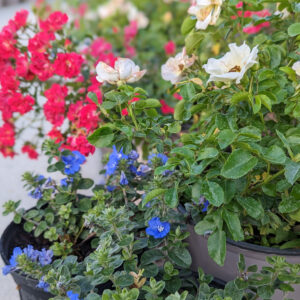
point(15, 236)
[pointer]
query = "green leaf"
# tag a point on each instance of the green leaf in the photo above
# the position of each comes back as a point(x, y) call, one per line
point(28, 226)
point(124, 279)
point(184, 151)
point(205, 226)
point(208, 152)
point(253, 207)
point(292, 171)
point(275, 155)
point(149, 103)
point(151, 256)
point(225, 138)
point(193, 41)
point(239, 163)
point(294, 29)
point(181, 257)
point(265, 100)
point(93, 297)
point(171, 197)
point(153, 194)
point(179, 110)
point(40, 228)
point(93, 97)
point(213, 192)
point(102, 137)
point(188, 25)
point(216, 246)
point(85, 183)
point(233, 223)
point(241, 96)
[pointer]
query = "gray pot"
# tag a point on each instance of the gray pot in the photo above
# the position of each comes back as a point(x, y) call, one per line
point(254, 255)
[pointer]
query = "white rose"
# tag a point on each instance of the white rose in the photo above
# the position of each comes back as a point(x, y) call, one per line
point(233, 65)
point(125, 70)
point(172, 70)
point(138, 16)
point(296, 67)
point(110, 8)
point(206, 11)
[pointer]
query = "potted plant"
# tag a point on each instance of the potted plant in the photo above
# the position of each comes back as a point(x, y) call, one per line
point(238, 163)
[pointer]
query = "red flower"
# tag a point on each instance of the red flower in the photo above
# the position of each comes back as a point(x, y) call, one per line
point(41, 66)
point(79, 143)
point(54, 108)
point(7, 45)
point(68, 64)
point(130, 31)
point(21, 18)
point(21, 104)
point(40, 43)
point(7, 140)
point(22, 67)
point(30, 150)
point(99, 46)
point(165, 108)
point(54, 22)
point(8, 80)
point(177, 96)
point(109, 59)
point(55, 135)
point(170, 48)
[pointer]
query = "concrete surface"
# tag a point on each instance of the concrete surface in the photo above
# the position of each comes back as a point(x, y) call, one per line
point(11, 171)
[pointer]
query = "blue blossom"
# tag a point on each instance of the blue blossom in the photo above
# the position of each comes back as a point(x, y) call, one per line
point(73, 162)
point(36, 194)
point(110, 188)
point(114, 160)
point(160, 156)
point(73, 296)
point(45, 257)
point(144, 169)
point(40, 178)
point(31, 253)
point(123, 179)
point(133, 155)
point(134, 170)
point(12, 261)
point(43, 285)
point(205, 204)
point(157, 229)
point(167, 172)
point(66, 181)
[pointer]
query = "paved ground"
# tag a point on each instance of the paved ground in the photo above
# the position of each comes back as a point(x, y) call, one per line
point(10, 177)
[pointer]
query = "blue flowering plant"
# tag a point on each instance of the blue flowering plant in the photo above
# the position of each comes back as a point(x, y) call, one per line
point(57, 216)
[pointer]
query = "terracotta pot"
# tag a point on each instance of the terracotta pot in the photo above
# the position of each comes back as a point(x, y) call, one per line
point(254, 255)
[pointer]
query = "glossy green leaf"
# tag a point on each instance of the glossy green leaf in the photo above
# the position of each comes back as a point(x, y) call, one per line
point(216, 246)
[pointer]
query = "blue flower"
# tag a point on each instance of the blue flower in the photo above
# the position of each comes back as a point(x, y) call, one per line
point(66, 181)
point(40, 178)
point(123, 179)
point(31, 253)
point(73, 162)
point(144, 169)
point(157, 229)
point(133, 155)
point(111, 188)
point(73, 296)
point(43, 285)
point(36, 194)
point(45, 257)
point(12, 261)
point(160, 156)
point(167, 172)
point(205, 204)
point(114, 160)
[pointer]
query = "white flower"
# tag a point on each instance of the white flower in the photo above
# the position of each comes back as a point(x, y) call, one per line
point(296, 67)
point(123, 7)
point(125, 70)
point(174, 67)
point(206, 11)
point(233, 65)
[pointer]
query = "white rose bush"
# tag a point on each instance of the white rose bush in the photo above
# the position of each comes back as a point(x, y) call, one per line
point(203, 123)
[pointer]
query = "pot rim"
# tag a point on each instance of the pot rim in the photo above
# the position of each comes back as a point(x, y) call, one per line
point(250, 246)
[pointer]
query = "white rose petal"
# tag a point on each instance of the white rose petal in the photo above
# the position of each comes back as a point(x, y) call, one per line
point(172, 70)
point(296, 67)
point(233, 65)
point(125, 70)
point(207, 12)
